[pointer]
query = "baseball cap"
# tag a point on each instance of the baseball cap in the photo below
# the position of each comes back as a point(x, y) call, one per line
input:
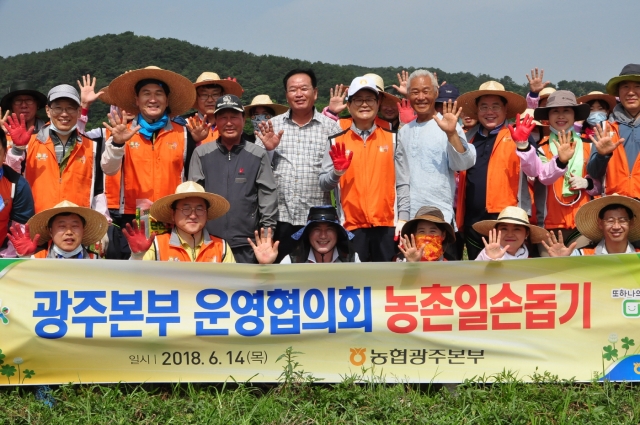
point(447, 92)
point(364, 82)
point(229, 101)
point(63, 91)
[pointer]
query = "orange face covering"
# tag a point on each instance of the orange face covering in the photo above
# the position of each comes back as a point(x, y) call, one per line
point(432, 247)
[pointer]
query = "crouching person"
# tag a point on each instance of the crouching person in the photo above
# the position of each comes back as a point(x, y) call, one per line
point(66, 229)
point(322, 240)
point(425, 237)
point(508, 235)
point(609, 222)
point(188, 210)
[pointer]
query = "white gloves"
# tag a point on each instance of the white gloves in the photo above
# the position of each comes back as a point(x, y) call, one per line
point(578, 183)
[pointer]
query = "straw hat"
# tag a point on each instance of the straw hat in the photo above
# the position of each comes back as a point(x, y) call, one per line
point(433, 215)
point(546, 92)
point(513, 215)
point(598, 95)
point(529, 112)
point(229, 87)
point(380, 85)
point(105, 96)
point(161, 209)
point(181, 97)
point(563, 98)
point(587, 216)
point(265, 100)
point(515, 102)
point(630, 72)
point(94, 229)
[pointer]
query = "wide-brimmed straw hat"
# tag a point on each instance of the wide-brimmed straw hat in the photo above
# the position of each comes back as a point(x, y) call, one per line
point(563, 99)
point(22, 87)
point(630, 72)
point(182, 95)
point(380, 85)
point(105, 96)
point(546, 92)
point(513, 215)
point(433, 215)
point(228, 86)
point(265, 100)
point(529, 111)
point(599, 96)
point(161, 209)
point(94, 229)
point(587, 216)
point(515, 102)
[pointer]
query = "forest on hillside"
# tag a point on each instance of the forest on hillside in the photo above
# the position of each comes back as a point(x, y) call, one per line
point(107, 56)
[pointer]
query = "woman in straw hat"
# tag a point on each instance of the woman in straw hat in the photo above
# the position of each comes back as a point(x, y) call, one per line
point(609, 222)
point(508, 235)
point(426, 237)
point(188, 210)
point(262, 109)
point(601, 105)
point(67, 229)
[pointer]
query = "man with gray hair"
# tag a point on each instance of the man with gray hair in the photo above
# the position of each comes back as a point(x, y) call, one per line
point(435, 145)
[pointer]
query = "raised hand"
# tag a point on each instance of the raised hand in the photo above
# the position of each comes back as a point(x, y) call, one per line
point(118, 127)
point(22, 240)
point(522, 129)
point(602, 140)
point(403, 79)
point(137, 238)
point(341, 158)
point(565, 145)
point(406, 112)
point(409, 249)
point(450, 115)
point(269, 138)
point(3, 118)
point(336, 100)
point(88, 93)
point(17, 129)
point(265, 249)
point(493, 249)
point(198, 128)
point(536, 81)
point(556, 247)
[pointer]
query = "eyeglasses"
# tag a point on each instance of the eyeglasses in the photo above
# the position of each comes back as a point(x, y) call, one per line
point(58, 110)
point(622, 221)
point(28, 102)
point(205, 96)
point(487, 108)
point(187, 211)
point(371, 101)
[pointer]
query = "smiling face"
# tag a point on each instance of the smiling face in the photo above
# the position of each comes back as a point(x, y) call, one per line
point(562, 118)
point(67, 231)
point(363, 105)
point(230, 123)
point(24, 104)
point(629, 93)
point(491, 111)
point(422, 95)
point(301, 95)
point(388, 109)
point(323, 237)
point(190, 214)
point(513, 235)
point(63, 113)
point(152, 102)
point(207, 98)
point(615, 225)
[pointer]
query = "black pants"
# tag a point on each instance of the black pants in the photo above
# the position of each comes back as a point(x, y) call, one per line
point(118, 248)
point(374, 244)
point(244, 254)
point(283, 234)
point(473, 241)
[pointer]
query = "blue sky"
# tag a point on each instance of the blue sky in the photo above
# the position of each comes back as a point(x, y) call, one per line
point(571, 40)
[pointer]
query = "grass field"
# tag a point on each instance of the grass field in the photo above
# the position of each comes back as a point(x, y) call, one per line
point(298, 400)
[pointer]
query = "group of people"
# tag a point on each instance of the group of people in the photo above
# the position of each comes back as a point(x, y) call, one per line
point(412, 173)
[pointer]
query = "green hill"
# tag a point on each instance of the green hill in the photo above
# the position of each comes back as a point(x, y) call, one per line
point(107, 56)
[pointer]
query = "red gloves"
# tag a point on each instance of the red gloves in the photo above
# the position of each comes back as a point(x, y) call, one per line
point(22, 241)
point(137, 238)
point(18, 130)
point(407, 114)
point(521, 132)
point(341, 160)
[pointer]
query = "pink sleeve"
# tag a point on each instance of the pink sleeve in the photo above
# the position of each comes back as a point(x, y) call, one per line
point(82, 121)
point(14, 161)
point(533, 166)
point(328, 114)
point(597, 187)
point(532, 102)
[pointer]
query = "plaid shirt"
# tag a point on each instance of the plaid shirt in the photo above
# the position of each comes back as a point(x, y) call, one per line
point(297, 162)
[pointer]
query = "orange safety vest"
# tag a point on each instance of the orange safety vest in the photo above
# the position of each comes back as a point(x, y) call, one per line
point(503, 178)
point(153, 170)
point(212, 136)
point(345, 123)
point(44, 252)
point(7, 191)
point(169, 248)
point(367, 191)
point(42, 172)
point(560, 211)
point(618, 179)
